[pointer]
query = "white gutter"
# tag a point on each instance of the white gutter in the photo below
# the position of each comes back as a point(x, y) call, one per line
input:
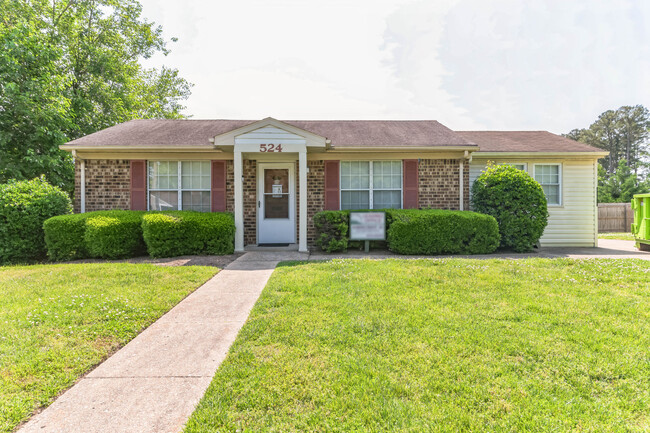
point(72, 147)
point(339, 148)
point(480, 154)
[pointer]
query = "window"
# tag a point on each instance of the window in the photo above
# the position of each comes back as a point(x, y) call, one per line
point(549, 176)
point(518, 165)
point(175, 185)
point(371, 184)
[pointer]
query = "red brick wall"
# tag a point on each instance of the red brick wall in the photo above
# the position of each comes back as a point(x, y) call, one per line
point(230, 186)
point(315, 195)
point(108, 185)
point(440, 184)
point(250, 201)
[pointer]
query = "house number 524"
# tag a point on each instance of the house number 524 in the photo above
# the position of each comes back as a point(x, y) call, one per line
point(270, 148)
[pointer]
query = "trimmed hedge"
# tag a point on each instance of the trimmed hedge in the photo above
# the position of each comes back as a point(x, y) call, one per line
point(109, 234)
point(442, 232)
point(24, 206)
point(179, 233)
point(332, 228)
point(517, 202)
point(115, 235)
point(121, 234)
point(413, 231)
point(64, 237)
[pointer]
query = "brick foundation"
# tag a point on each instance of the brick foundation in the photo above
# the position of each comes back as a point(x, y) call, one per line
point(108, 185)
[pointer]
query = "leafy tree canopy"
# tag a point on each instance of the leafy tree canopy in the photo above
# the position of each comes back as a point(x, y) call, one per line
point(624, 133)
point(621, 186)
point(69, 68)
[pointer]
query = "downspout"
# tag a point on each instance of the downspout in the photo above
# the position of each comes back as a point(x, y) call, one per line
point(82, 193)
point(461, 169)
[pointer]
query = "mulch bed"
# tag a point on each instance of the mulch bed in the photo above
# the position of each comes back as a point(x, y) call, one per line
point(216, 261)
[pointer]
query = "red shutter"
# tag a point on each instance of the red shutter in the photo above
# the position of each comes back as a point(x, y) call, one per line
point(138, 185)
point(218, 186)
point(411, 183)
point(332, 193)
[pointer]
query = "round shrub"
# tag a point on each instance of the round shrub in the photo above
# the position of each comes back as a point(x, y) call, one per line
point(24, 206)
point(517, 202)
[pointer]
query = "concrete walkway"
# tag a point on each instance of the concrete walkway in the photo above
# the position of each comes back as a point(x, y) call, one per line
point(154, 382)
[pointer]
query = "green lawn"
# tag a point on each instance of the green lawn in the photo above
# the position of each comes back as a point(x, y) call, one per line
point(621, 236)
point(58, 321)
point(440, 345)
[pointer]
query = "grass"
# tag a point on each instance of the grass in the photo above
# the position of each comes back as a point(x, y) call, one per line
point(58, 321)
point(621, 236)
point(440, 345)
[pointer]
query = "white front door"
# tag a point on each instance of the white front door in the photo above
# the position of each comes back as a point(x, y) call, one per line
point(276, 217)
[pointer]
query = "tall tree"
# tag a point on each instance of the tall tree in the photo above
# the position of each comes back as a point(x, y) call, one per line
point(619, 187)
point(34, 111)
point(92, 50)
point(623, 133)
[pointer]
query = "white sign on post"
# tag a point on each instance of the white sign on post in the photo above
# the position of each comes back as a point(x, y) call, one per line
point(367, 226)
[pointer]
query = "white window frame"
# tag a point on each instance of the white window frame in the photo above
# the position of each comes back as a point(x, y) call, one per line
point(179, 189)
point(370, 188)
point(559, 179)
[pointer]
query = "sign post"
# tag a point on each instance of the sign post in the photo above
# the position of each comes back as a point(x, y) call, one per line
point(367, 226)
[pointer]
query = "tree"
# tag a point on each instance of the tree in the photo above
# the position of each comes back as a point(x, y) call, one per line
point(623, 133)
point(80, 59)
point(34, 112)
point(619, 187)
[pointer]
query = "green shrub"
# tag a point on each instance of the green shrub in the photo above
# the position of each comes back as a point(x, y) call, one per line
point(114, 234)
point(24, 206)
point(437, 231)
point(332, 230)
point(517, 202)
point(64, 237)
point(178, 233)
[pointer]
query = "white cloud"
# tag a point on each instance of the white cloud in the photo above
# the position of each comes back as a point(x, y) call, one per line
point(470, 64)
point(537, 64)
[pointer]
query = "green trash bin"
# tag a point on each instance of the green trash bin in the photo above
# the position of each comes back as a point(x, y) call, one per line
point(641, 224)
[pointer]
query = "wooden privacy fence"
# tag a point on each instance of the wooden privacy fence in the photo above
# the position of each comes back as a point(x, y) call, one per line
point(615, 217)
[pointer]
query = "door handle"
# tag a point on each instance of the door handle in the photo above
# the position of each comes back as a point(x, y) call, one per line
point(259, 205)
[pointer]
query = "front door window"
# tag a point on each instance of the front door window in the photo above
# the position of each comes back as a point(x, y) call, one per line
point(276, 193)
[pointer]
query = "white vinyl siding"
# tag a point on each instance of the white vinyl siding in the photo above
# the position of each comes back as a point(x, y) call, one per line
point(573, 223)
point(371, 184)
point(179, 185)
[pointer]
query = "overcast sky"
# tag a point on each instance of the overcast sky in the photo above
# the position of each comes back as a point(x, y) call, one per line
point(470, 64)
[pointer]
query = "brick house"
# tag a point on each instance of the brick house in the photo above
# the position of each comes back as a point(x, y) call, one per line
point(275, 175)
